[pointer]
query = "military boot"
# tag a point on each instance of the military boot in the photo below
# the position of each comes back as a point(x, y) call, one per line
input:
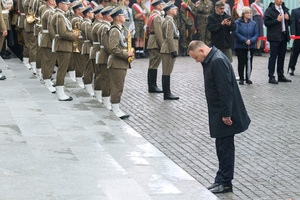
point(152, 78)
point(166, 88)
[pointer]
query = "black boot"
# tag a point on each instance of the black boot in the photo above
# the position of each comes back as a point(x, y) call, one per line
point(142, 53)
point(152, 77)
point(166, 88)
point(137, 52)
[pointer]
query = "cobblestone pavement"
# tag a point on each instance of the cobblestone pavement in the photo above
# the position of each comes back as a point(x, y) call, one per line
point(267, 154)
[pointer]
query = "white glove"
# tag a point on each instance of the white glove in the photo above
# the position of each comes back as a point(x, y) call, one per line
point(162, 13)
point(145, 28)
point(144, 12)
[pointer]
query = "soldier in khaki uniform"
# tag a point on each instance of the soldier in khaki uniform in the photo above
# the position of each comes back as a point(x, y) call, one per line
point(187, 14)
point(62, 43)
point(38, 33)
point(154, 44)
point(118, 62)
point(6, 8)
point(139, 17)
point(48, 58)
point(204, 9)
point(113, 3)
point(102, 56)
point(78, 59)
point(169, 48)
point(96, 48)
point(3, 33)
point(30, 38)
point(86, 27)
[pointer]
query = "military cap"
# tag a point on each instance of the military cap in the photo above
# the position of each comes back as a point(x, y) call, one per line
point(106, 10)
point(71, 1)
point(87, 9)
point(169, 6)
point(62, 1)
point(156, 2)
point(97, 9)
point(117, 11)
point(77, 5)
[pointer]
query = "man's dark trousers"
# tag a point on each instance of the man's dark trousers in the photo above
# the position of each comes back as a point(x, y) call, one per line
point(294, 55)
point(225, 152)
point(278, 50)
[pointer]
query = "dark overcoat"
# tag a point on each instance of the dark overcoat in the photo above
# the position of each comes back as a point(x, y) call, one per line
point(223, 96)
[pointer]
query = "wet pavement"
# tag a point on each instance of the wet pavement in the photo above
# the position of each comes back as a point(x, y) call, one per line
point(77, 150)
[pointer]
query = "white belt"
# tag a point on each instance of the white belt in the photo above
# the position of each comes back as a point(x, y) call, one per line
point(96, 42)
point(101, 46)
point(5, 11)
point(86, 41)
point(23, 14)
point(45, 31)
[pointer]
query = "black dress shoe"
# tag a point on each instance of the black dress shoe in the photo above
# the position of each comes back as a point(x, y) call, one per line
point(0, 70)
point(170, 96)
point(154, 89)
point(273, 81)
point(213, 186)
point(284, 79)
point(2, 78)
point(5, 56)
point(221, 189)
point(291, 72)
point(125, 117)
point(241, 82)
point(249, 82)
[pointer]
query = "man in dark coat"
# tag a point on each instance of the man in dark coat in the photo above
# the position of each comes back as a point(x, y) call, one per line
point(226, 110)
point(295, 30)
point(277, 20)
point(220, 25)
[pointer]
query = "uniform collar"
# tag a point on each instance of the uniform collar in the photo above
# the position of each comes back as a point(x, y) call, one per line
point(104, 21)
point(167, 16)
point(157, 12)
point(60, 10)
point(87, 19)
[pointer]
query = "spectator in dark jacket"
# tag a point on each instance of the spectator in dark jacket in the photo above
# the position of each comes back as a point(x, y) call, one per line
point(246, 35)
point(220, 25)
point(295, 31)
point(277, 21)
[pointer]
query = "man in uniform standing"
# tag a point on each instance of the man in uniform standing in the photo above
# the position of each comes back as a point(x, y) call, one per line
point(86, 27)
point(187, 14)
point(64, 38)
point(31, 8)
point(204, 9)
point(48, 58)
point(102, 56)
point(3, 33)
point(6, 8)
point(169, 48)
point(118, 62)
point(96, 48)
point(77, 57)
point(154, 44)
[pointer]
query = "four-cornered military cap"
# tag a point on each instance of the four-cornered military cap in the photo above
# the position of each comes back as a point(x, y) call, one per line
point(117, 11)
point(62, 1)
point(156, 2)
point(71, 1)
point(87, 9)
point(169, 6)
point(106, 10)
point(78, 5)
point(97, 9)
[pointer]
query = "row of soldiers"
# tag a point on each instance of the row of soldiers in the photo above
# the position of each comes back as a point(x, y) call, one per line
point(96, 53)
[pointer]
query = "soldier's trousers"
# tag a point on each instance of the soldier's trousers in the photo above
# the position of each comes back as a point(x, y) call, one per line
point(105, 80)
point(38, 58)
point(63, 59)
point(204, 35)
point(186, 39)
point(89, 70)
point(97, 70)
point(167, 64)
point(117, 80)
point(72, 64)
point(79, 64)
point(1, 41)
point(31, 44)
point(48, 60)
point(155, 58)
point(25, 48)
